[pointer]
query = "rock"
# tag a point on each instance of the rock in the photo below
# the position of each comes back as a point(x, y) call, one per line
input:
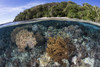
point(35, 28)
point(66, 62)
point(44, 60)
point(50, 28)
point(39, 28)
point(74, 60)
point(75, 40)
point(39, 38)
point(16, 63)
point(97, 63)
point(83, 43)
point(2, 62)
point(37, 51)
point(97, 56)
point(8, 64)
point(89, 61)
point(22, 56)
point(53, 64)
point(82, 51)
point(80, 64)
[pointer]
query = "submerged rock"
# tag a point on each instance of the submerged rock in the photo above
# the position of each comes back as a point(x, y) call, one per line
point(44, 60)
point(66, 62)
point(39, 28)
point(89, 61)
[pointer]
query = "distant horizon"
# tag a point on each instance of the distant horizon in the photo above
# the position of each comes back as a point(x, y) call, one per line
point(9, 8)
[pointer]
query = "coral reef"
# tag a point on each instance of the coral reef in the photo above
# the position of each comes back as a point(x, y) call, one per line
point(25, 38)
point(70, 31)
point(52, 32)
point(49, 45)
point(73, 31)
point(59, 48)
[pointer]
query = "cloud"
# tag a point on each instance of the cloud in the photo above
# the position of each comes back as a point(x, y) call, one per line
point(7, 14)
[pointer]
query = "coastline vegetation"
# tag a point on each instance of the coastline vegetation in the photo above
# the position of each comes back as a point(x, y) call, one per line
point(62, 9)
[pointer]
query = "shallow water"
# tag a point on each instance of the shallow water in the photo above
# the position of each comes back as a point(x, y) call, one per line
point(84, 36)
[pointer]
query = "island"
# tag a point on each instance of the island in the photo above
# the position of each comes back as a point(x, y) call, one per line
point(61, 9)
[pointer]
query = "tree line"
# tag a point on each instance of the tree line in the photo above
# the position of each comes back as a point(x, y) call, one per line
point(62, 9)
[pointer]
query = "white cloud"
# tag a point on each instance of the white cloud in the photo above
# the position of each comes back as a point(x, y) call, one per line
point(7, 14)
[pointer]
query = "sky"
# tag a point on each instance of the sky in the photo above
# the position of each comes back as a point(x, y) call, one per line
point(10, 8)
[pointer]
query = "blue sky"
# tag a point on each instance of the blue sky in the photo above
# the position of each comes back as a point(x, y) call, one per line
point(10, 8)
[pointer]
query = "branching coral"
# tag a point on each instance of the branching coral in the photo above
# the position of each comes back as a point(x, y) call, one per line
point(59, 48)
point(25, 38)
point(16, 30)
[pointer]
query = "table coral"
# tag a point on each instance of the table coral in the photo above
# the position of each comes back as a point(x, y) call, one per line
point(25, 38)
point(59, 48)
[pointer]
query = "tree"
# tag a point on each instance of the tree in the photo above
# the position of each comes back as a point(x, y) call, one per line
point(71, 9)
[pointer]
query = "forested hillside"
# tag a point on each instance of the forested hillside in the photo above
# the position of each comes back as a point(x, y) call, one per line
point(62, 9)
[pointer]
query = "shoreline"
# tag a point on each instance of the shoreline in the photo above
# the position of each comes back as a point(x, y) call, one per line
point(67, 19)
point(48, 18)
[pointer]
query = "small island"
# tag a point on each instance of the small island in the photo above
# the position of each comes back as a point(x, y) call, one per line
point(61, 9)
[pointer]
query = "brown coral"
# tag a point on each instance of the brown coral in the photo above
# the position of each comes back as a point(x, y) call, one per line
point(25, 38)
point(59, 48)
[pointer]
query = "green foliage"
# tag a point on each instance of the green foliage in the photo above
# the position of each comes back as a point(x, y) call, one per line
point(62, 9)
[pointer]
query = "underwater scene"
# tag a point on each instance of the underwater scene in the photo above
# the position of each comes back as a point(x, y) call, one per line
point(50, 43)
